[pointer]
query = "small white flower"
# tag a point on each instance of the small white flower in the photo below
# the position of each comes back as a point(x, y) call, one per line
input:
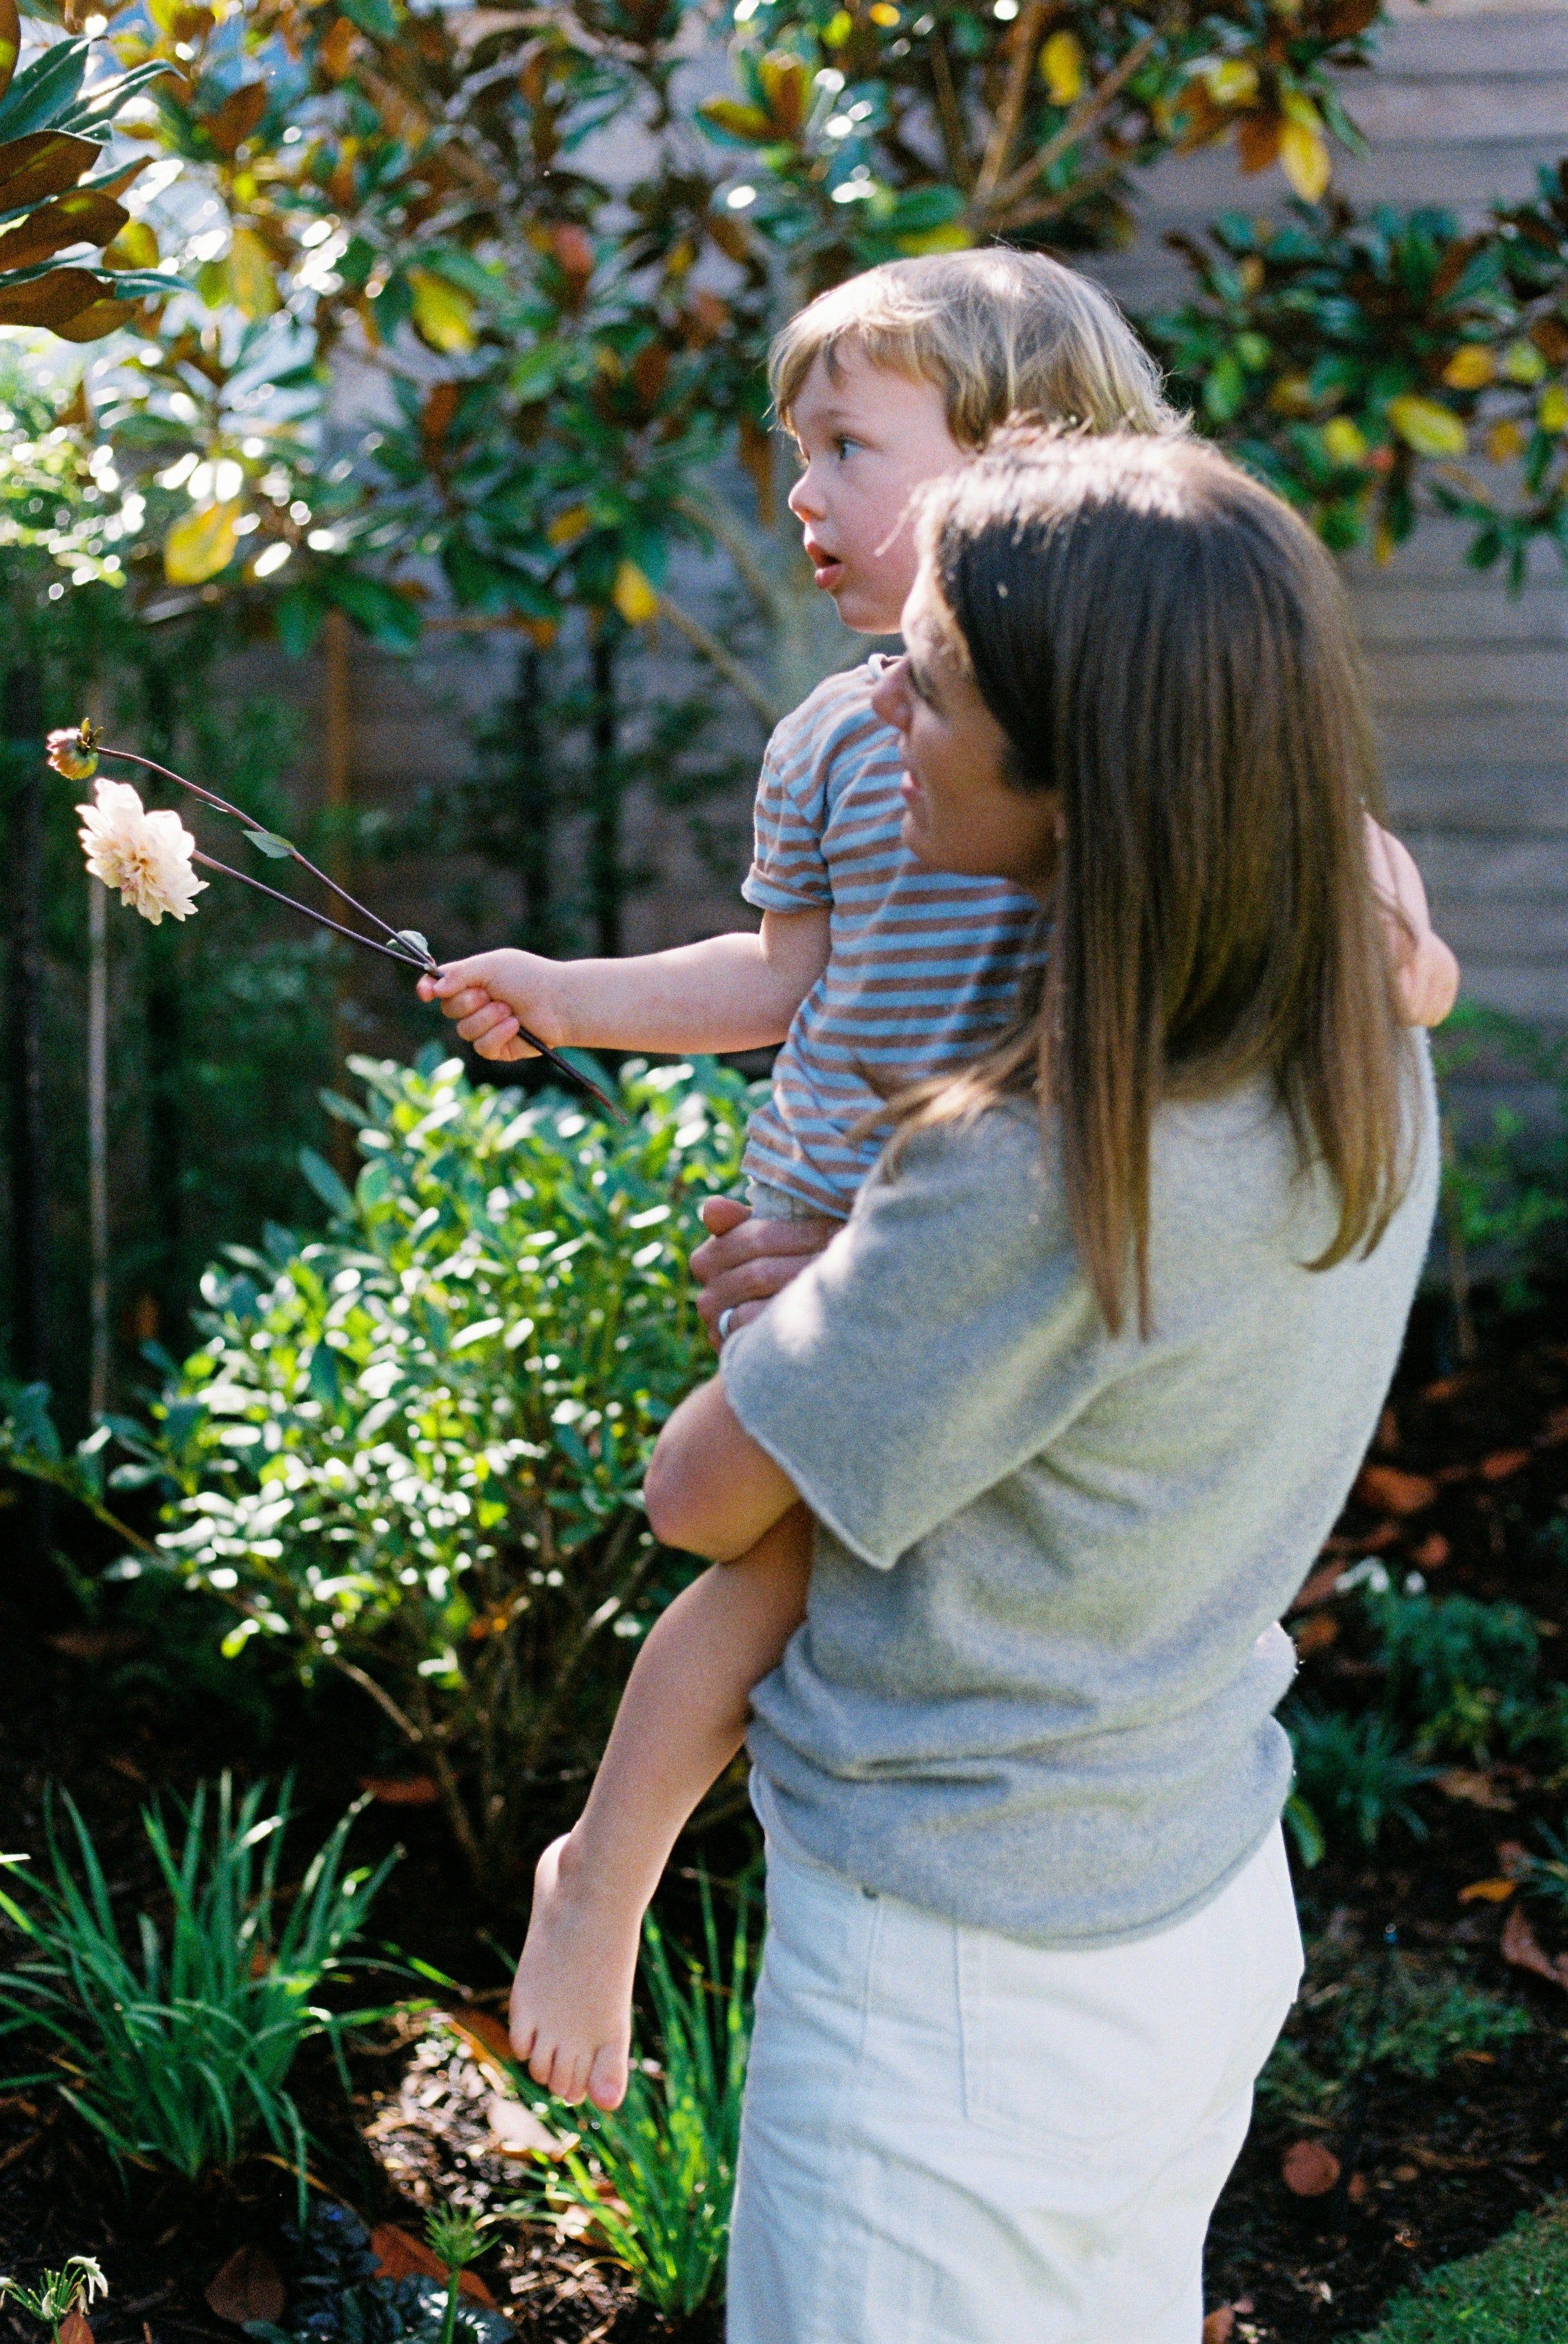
point(146, 855)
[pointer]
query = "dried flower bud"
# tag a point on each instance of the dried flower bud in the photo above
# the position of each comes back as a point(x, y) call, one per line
point(72, 750)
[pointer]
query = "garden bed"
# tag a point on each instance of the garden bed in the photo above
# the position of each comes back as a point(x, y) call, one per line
point(1455, 2129)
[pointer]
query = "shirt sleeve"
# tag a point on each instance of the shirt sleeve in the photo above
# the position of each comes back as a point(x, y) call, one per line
point(789, 871)
point(941, 1342)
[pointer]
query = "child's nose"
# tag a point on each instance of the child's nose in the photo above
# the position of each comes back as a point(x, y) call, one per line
point(803, 499)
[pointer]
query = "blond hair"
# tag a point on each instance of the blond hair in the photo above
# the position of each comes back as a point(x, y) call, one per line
point(1000, 333)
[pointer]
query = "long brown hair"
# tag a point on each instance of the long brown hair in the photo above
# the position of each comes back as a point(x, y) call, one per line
point(1168, 648)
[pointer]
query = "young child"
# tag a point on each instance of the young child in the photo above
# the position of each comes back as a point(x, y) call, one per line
point(870, 970)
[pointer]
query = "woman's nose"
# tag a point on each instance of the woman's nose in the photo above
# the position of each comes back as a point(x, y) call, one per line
point(890, 701)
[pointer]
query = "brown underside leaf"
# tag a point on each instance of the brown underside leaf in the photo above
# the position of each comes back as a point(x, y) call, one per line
point(247, 2286)
point(51, 299)
point(10, 42)
point(82, 216)
point(98, 318)
point(1391, 1491)
point(400, 2255)
point(74, 2330)
point(1220, 2326)
point(43, 163)
point(1522, 1949)
point(484, 2034)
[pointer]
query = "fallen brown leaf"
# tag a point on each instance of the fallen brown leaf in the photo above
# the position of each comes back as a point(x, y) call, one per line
point(1221, 2325)
point(1555, 1429)
point(1448, 1387)
point(1388, 1433)
point(399, 2254)
point(1389, 1489)
point(75, 2330)
point(1321, 1584)
point(1496, 1891)
point(1316, 1634)
point(1522, 1947)
point(1309, 2170)
point(1476, 1790)
point(484, 2034)
point(1433, 1552)
point(1504, 1462)
point(247, 2286)
point(400, 1790)
point(1358, 2189)
point(1512, 1858)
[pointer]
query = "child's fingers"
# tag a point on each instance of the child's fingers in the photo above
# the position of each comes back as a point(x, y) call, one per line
point(501, 1044)
point(484, 1019)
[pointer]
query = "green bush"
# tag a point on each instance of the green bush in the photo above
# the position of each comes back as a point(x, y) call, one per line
point(1352, 1776)
point(1455, 1668)
point(414, 1449)
point(179, 2052)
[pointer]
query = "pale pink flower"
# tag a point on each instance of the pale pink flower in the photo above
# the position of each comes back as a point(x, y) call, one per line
point(146, 855)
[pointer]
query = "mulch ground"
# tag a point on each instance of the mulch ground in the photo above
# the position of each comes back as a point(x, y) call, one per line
point(1470, 1477)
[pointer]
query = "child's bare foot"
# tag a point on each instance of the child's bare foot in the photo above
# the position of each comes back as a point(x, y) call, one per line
point(571, 1997)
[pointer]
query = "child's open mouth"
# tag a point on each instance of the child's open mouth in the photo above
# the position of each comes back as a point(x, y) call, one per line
point(826, 568)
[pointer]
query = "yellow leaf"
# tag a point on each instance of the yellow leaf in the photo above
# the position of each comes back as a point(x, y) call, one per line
point(837, 29)
point(1551, 409)
point(635, 595)
point(135, 247)
point(1523, 362)
point(252, 285)
point(1504, 441)
point(1345, 441)
point(568, 527)
point(202, 544)
point(1424, 425)
point(731, 113)
point(1231, 81)
point(1304, 159)
point(882, 12)
point(443, 315)
point(1062, 68)
point(1471, 368)
point(954, 237)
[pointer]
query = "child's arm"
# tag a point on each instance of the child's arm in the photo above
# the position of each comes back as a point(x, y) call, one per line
point(682, 1718)
point(736, 992)
point(1425, 970)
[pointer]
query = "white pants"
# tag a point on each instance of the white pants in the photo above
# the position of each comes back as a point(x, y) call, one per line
point(952, 2138)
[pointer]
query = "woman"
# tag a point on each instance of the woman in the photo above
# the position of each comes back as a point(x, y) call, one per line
point(1074, 1397)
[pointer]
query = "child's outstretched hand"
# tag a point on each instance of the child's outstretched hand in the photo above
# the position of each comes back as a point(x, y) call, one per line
point(491, 996)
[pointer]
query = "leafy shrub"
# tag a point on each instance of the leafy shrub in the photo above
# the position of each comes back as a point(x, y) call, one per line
point(180, 2051)
point(1353, 1774)
point(1453, 1666)
point(1410, 2020)
point(414, 1449)
point(657, 2177)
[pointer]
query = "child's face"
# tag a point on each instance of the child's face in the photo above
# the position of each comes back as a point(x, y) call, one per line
point(868, 439)
point(961, 811)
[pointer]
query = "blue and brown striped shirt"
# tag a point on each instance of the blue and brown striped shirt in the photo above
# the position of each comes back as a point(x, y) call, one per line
point(923, 966)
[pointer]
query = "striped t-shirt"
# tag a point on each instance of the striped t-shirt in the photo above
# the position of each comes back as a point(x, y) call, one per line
point(923, 966)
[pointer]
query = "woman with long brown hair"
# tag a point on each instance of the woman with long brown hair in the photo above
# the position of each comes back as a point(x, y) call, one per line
point(1073, 1398)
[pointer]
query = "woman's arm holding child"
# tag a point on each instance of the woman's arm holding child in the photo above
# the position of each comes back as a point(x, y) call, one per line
point(734, 992)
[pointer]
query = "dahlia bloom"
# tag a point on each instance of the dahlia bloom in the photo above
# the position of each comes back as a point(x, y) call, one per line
point(148, 856)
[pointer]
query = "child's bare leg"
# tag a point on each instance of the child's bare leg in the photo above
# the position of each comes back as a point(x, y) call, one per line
point(681, 1721)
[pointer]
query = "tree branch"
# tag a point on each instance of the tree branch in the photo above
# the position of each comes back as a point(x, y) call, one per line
point(999, 146)
point(709, 646)
point(950, 114)
point(381, 1696)
point(1090, 109)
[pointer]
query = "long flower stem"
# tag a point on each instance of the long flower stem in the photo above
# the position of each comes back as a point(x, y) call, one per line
point(221, 805)
point(209, 862)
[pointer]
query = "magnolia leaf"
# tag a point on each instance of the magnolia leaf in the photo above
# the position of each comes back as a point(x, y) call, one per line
point(252, 280)
point(45, 162)
point(735, 119)
point(1472, 368)
point(1062, 68)
point(442, 315)
point(415, 941)
point(10, 42)
point(268, 843)
point(98, 318)
point(1304, 159)
point(79, 217)
point(332, 1191)
point(1424, 425)
point(634, 594)
point(48, 300)
point(135, 247)
point(202, 544)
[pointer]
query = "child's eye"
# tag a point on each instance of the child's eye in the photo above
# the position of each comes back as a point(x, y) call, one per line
point(841, 445)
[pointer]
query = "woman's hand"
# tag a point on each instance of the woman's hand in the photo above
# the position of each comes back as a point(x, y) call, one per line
point(747, 1261)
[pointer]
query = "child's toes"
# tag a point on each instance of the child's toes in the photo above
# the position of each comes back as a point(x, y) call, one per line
point(607, 2076)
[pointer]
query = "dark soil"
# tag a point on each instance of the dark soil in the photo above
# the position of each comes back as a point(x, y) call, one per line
point(1431, 2170)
